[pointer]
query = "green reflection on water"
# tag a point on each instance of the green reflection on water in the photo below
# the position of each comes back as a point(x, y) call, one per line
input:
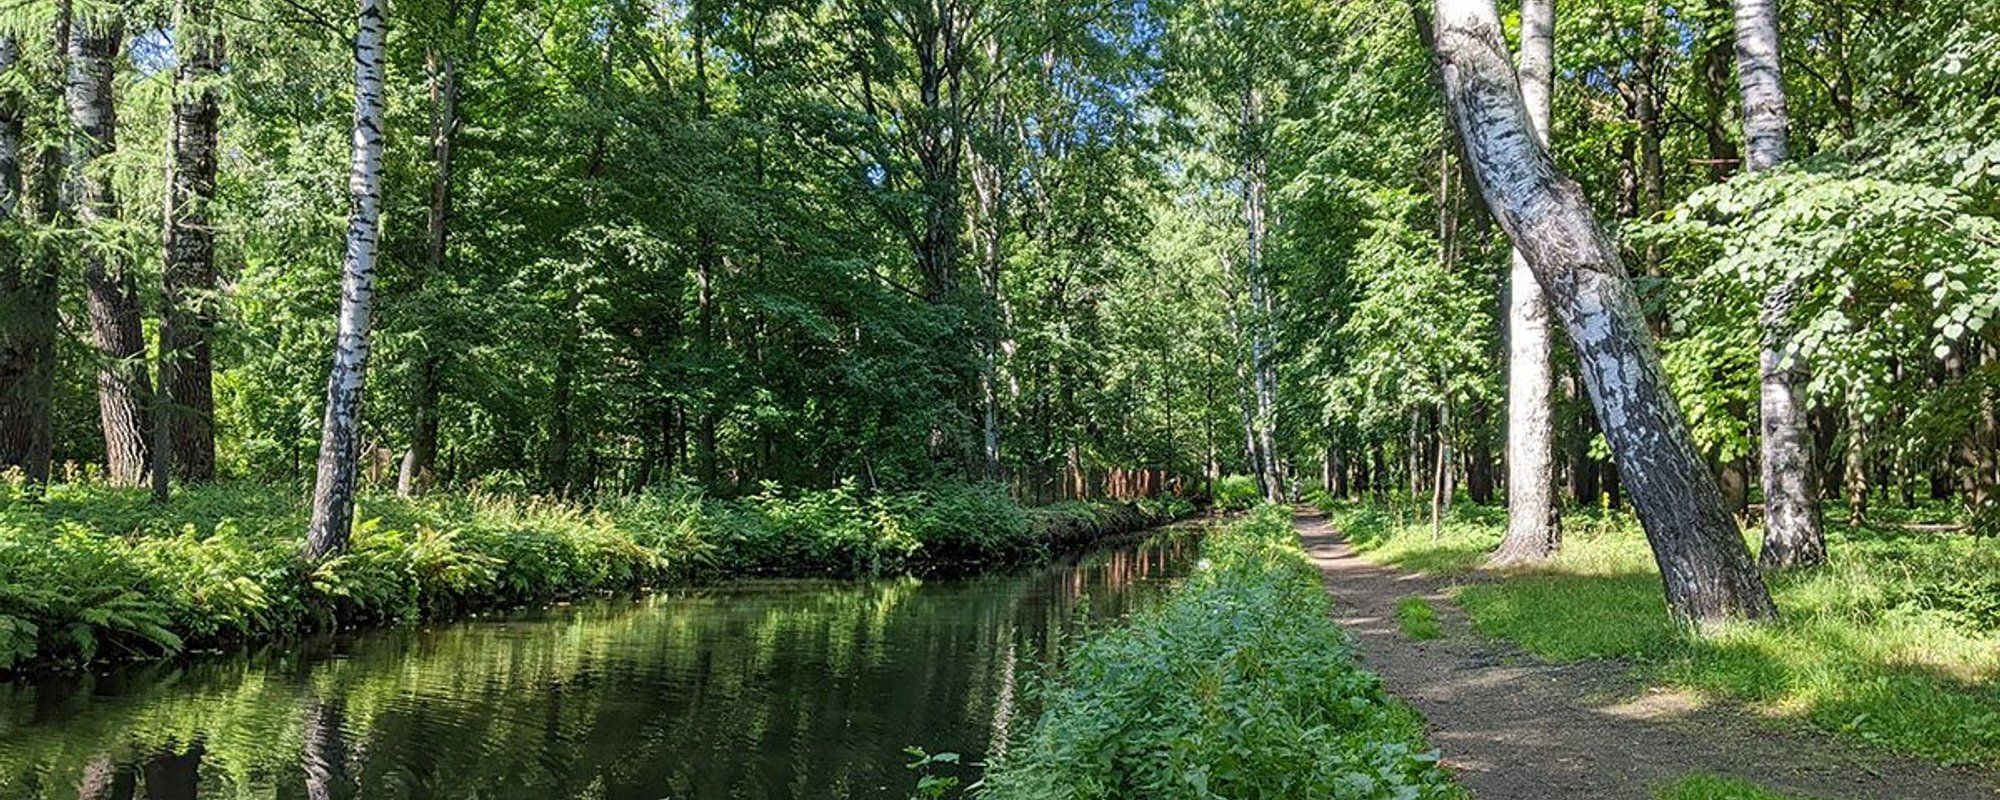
point(758, 690)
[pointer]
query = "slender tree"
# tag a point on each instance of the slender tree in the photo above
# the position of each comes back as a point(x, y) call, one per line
point(27, 285)
point(124, 389)
point(1705, 567)
point(188, 276)
point(441, 67)
point(1793, 537)
point(1534, 531)
point(340, 434)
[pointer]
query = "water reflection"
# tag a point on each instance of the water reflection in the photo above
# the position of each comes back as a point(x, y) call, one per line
point(767, 690)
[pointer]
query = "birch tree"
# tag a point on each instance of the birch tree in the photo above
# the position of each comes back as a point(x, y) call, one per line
point(1704, 566)
point(1534, 531)
point(1793, 537)
point(333, 489)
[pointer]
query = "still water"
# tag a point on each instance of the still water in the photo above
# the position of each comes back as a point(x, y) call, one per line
point(765, 690)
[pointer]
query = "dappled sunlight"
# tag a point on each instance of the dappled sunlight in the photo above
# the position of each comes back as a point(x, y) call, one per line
point(1892, 642)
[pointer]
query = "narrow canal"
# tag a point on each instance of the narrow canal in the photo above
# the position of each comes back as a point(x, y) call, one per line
point(773, 690)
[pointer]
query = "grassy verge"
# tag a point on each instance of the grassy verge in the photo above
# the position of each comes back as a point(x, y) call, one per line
point(1715, 787)
point(92, 573)
point(1238, 685)
point(1895, 642)
point(1417, 619)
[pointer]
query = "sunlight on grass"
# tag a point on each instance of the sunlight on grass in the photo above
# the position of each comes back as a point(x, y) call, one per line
point(1417, 619)
point(1701, 786)
point(1896, 642)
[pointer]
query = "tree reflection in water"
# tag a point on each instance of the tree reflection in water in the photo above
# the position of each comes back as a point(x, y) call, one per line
point(790, 690)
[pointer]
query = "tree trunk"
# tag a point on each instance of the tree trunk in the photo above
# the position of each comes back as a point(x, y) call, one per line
point(1534, 530)
point(1855, 460)
point(188, 277)
point(1705, 568)
point(28, 277)
point(1792, 533)
point(340, 435)
point(419, 467)
point(124, 389)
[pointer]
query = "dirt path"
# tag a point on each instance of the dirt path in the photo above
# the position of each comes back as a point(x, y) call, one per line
point(1515, 728)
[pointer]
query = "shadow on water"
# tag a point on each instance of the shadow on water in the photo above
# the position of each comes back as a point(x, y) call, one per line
point(772, 689)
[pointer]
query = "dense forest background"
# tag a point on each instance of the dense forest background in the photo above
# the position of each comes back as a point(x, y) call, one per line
point(1080, 247)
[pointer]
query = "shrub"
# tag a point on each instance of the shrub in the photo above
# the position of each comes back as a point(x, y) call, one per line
point(1239, 685)
point(1236, 493)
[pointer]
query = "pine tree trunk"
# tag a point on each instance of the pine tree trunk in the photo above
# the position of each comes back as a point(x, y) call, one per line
point(124, 389)
point(27, 287)
point(340, 435)
point(1792, 532)
point(1704, 566)
point(188, 277)
point(1534, 532)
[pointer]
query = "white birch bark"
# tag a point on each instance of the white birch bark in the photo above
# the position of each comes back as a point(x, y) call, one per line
point(1704, 565)
point(1793, 536)
point(1534, 532)
point(333, 490)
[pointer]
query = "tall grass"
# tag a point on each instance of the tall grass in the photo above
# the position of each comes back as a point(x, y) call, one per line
point(1239, 685)
point(89, 572)
point(1896, 641)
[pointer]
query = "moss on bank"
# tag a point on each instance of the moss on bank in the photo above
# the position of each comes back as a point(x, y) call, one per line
point(91, 573)
point(1238, 685)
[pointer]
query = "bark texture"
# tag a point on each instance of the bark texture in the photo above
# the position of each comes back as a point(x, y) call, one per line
point(1704, 565)
point(1533, 530)
point(27, 295)
point(1793, 536)
point(339, 444)
point(188, 278)
point(124, 389)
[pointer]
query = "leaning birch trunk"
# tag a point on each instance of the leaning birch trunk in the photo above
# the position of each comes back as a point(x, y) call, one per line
point(188, 276)
point(1704, 565)
point(1793, 537)
point(1534, 531)
point(124, 390)
point(333, 490)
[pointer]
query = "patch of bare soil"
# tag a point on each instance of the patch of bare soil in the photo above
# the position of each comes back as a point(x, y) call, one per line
point(1513, 727)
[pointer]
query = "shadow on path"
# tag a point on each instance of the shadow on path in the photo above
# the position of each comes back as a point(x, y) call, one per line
point(1513, 727)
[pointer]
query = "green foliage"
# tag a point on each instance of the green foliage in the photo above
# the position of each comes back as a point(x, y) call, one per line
point(88, 572)
point(1892, 642)
point(1239, 685)
point(1417, 619)
point(1236, 493)
point(1703, 786)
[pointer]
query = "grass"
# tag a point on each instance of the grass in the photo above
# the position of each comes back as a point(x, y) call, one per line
point(1417, 619)
point(91, 573)
point(1701, 786)
point(1238, 685)
point(1895, 642)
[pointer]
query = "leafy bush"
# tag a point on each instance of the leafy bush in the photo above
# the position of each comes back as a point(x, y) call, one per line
point(1236, 493)
point(1239, 685)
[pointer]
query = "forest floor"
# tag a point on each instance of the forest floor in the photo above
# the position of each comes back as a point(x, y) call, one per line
point(1515, 727)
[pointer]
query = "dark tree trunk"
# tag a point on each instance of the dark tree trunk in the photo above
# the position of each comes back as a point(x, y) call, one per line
point(27, 282)
point(124, 389)
point(1705, 567)
point(188, 277)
